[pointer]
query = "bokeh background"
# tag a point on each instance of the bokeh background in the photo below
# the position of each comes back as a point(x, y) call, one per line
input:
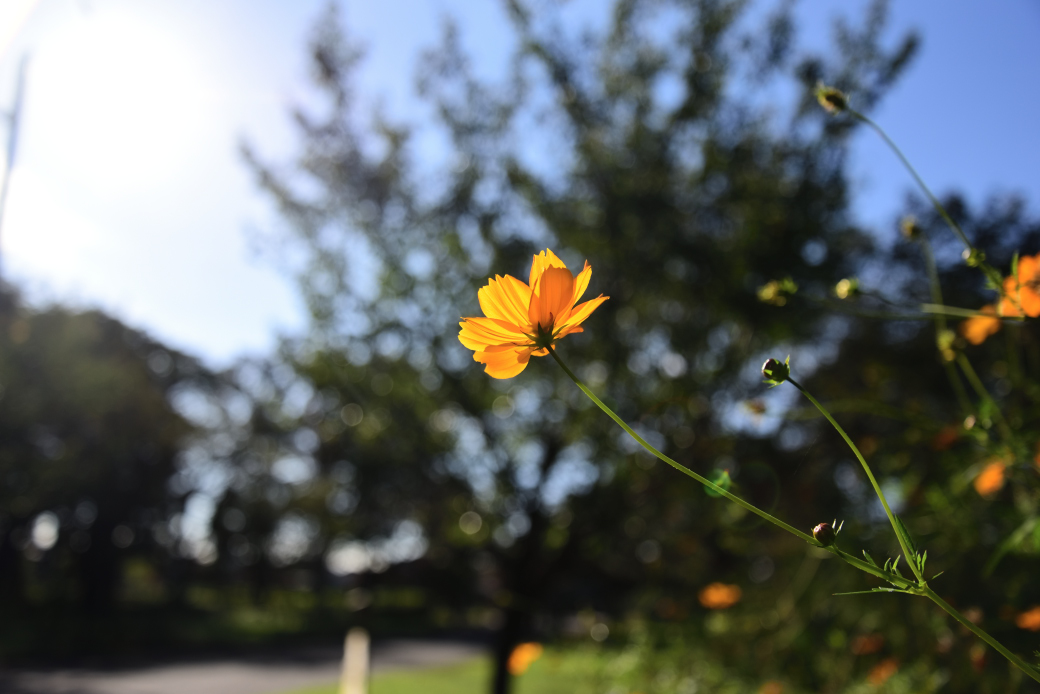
point(236, 240)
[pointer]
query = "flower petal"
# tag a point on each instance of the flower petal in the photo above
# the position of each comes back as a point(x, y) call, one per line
point(582, 311)
point(542, 262)
point(520, 295)
point(1029, 269)
point(504, 363)
point(552, 297)
point(500, 299)
point(1029, 300)
point(569, 330)
point(478, 333)
point(977, 328)
point(581, 282)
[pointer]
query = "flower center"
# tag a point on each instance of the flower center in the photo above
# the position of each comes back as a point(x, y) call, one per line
point(543, 336)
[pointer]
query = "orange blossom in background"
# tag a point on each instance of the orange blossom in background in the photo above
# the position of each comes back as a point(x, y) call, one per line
point(1021, 297)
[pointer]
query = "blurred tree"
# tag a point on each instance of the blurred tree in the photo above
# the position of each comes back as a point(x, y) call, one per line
point(649, 150)
point(89, 443)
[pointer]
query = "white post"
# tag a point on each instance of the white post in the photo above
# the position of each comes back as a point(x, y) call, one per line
point(355, 663)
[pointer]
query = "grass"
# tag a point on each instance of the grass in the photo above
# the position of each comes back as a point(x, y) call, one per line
point(557, 672)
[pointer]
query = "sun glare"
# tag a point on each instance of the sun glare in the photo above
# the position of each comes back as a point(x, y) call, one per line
point(12, 16)
point(116, 102)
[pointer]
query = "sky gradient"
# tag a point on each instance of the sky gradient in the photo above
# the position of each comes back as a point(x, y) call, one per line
point(130, 195)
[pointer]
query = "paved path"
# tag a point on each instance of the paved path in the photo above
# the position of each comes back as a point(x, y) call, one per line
point(266, 673)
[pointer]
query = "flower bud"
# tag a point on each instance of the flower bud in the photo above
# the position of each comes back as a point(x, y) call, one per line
point(776, 292)
point(832, 100)
point(909, 227)
point(974, 257)
point(775, 372)
point(824, 534)
point(847, 288)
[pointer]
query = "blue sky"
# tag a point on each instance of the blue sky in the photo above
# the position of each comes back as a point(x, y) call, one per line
point(130, 195)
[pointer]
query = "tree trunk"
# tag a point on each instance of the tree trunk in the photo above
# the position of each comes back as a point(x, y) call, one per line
point(98, 571)
point(12, 584)
point(508, 637)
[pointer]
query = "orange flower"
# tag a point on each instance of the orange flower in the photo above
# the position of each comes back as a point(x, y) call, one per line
point(522, 320)
point(1021, 293)
point(865, 644)
point(1030, 619)
point(1021, 297)
point(946, 437)
point(522, 657)
point(991, 479)
point(977, 328)
point(881, 672)
point(719, 596)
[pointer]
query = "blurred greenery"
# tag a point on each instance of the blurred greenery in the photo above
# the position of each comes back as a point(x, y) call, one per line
point(678, 668)
point(370, 473)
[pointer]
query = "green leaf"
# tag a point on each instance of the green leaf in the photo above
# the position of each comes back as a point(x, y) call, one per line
point(722, 479)
point(904, 534)
point(873, 590)
point(856, 592)
point(870, 559)
point(1011, 542)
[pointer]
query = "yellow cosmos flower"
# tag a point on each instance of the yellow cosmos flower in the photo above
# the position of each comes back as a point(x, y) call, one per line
point(521, 320)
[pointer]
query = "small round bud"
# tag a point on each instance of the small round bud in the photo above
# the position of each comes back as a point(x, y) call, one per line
point(824, 534)
point(974, 257)
point(832, 100)
point(847, 288)
point(775, 371)
point(909, 227)
point(775, 292)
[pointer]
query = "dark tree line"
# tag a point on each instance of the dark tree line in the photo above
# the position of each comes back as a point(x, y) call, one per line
point(90, 437)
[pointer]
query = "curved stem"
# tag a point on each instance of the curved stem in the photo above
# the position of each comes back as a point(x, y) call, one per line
point(982, 634)
point(940, 326)
point(980, 389)
point(988, 271)
point(681, 468)
point(858, 563)
point(920, 588)
point(933, 285)
point(911, 557)
point(941, 310)
point(913, 172)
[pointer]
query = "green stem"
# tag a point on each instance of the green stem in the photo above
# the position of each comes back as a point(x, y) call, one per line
point(892, 578)
point(930, 310)
point(958, 388)
point(934, 287)
point(920, 588)
point(940, 310)
point(681, 468)
point(940, 326)
point(980, 389)
point(913, 172)
point(988, 271)
point(911, 558)
point(982, 634)
point(858, 563)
